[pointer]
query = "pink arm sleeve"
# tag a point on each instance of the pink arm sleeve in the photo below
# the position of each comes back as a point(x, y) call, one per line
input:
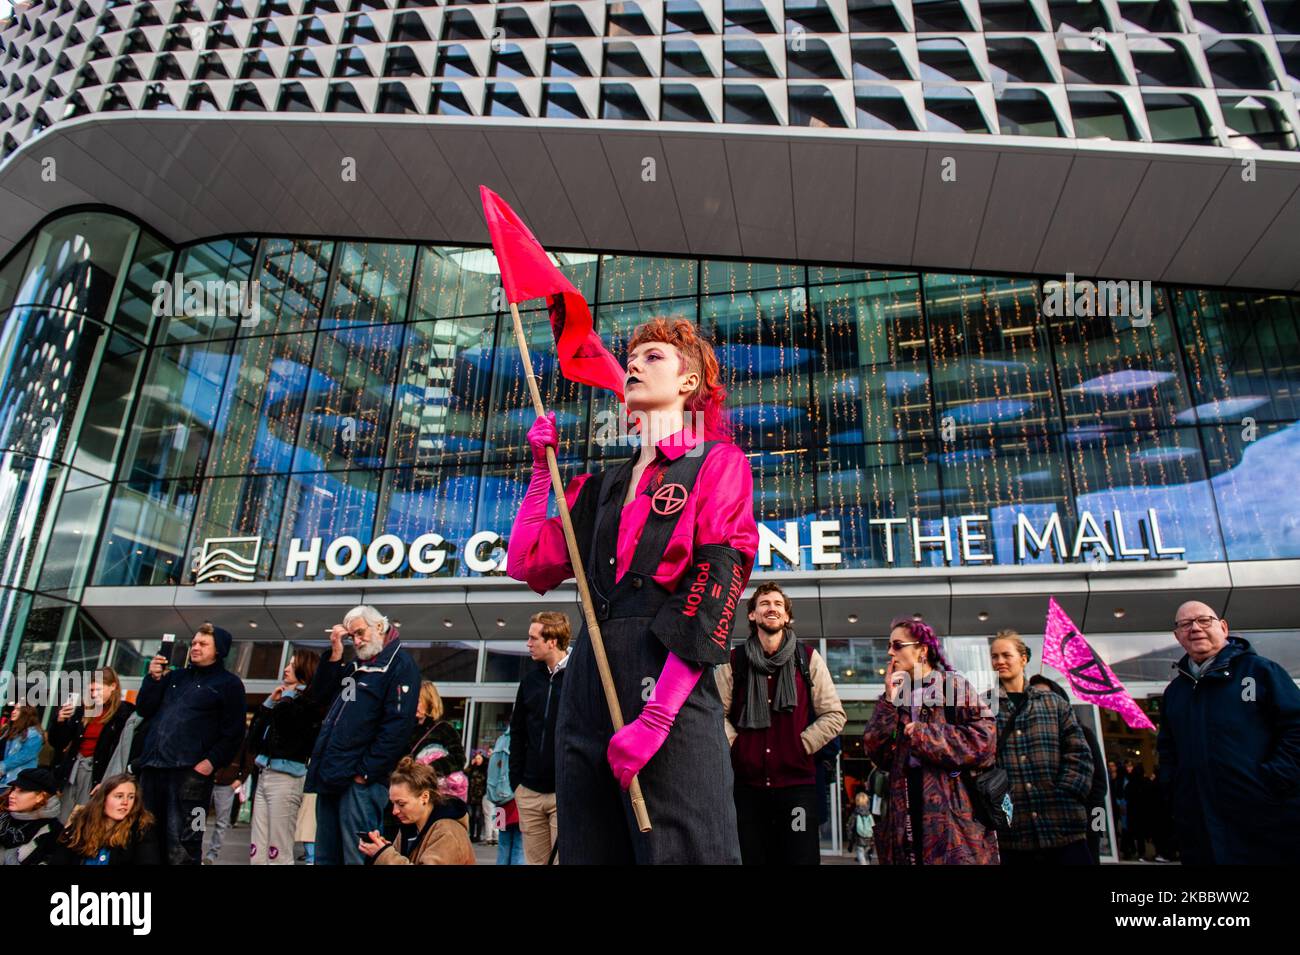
point(537, 554)
point(726, 516)
point(674, 686)
point(697, 619)
point(634, 745)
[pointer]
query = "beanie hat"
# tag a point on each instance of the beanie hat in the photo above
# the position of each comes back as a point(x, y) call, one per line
point(223, 638)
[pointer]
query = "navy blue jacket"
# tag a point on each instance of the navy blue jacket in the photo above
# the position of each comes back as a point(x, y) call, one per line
point(193, 714)
point(1229, 748)
point(371, 715)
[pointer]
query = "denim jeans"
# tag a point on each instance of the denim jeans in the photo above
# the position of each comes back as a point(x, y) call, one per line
point(340, 816)
point(510, 847)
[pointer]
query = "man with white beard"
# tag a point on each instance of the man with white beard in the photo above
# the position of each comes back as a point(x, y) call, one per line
point(372, 701)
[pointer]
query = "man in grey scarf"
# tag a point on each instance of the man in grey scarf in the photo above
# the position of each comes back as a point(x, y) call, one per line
point(781, 709)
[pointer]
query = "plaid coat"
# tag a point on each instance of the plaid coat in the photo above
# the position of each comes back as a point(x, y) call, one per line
point(951, 835)
point(1050, 766)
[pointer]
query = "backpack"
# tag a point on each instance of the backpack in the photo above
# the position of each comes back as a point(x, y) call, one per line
point(863, 824)
point(498, 776)
point(825, 756)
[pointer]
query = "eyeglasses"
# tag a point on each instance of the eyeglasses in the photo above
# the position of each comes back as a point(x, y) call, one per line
point(899, 644)
point(1182, 626)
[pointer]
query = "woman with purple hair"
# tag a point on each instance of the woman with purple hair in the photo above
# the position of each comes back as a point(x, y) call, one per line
point(930, 728)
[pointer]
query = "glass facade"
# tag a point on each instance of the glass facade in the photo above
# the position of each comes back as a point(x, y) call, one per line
point(371, 389)
point(396, 405)
point(69, 362)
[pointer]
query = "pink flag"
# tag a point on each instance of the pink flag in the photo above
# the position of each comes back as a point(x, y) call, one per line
point(1065, 649)
point(528, 272)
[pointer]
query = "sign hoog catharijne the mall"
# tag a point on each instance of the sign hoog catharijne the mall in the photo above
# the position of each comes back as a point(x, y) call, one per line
point(963, 540)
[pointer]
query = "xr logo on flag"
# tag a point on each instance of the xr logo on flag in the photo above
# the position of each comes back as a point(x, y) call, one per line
point(1090, 677)
point(668, 500)
point(1067, 650)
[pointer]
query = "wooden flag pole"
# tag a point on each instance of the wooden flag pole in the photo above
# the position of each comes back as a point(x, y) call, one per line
point(575, 559)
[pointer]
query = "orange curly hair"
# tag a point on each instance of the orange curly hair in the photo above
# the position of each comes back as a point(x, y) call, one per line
point(697, 356)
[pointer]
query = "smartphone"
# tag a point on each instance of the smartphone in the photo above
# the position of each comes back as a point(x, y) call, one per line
point(363, 835)
point(74, 700)
point(168, 644)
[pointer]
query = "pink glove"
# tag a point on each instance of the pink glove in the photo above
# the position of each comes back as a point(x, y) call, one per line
point(633, 745)
point(532, 511)
point(542, 433)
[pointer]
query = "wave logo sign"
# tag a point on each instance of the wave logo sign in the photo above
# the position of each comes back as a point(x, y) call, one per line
point(228, 558)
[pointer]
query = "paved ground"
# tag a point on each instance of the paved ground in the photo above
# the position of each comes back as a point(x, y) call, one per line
point(234, 850)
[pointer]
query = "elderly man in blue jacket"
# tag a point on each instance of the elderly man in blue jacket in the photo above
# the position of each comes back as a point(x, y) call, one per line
point(372, 701)
point(1229, 748)
point(194, 725)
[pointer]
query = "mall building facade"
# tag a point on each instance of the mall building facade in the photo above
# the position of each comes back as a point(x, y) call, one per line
point(255, 368)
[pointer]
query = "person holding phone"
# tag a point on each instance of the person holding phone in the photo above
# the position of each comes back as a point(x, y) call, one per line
point(195, 725)
point(85, 736)
point(434, 826)
point(929, 727)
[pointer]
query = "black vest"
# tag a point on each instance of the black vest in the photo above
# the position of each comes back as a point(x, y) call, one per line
point(596, 518)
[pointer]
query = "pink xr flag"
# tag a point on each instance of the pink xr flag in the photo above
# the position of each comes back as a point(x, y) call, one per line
point(1065, 649)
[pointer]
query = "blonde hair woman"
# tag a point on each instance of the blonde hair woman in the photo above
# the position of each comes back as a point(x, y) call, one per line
point(434, 827)
point(85, 736)
point(435, 742)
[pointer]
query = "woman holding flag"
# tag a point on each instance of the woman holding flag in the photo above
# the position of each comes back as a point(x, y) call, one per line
point(661, 547)
point(668, 541)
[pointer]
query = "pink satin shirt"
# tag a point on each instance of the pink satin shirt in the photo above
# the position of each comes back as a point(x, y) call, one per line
point(720, 510)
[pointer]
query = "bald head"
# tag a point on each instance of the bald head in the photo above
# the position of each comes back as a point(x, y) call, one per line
point(1199, 630)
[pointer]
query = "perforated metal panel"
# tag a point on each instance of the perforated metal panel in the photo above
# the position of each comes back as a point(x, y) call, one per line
point(1196, 72)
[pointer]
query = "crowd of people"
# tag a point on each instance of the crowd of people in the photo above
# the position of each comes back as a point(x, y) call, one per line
point(668, 542)
point(729, 751)
point(351, 761)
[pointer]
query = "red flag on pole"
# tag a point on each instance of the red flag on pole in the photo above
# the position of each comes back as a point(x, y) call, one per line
point(528, 272)
point(1065, 649)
